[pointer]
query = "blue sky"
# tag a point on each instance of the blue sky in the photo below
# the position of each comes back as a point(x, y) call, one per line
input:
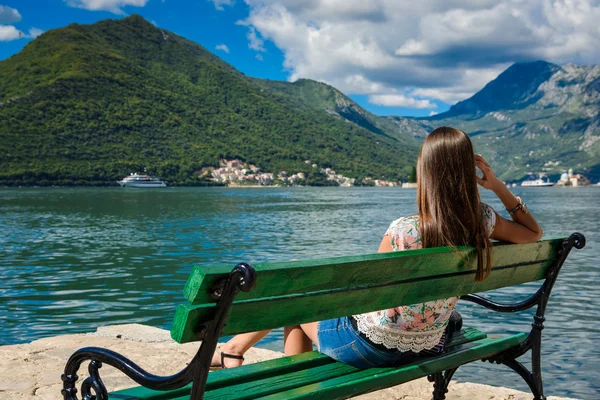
point(199, 21)
point(394, 57)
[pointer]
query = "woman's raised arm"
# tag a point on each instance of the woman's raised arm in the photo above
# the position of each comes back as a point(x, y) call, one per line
point(523, 228)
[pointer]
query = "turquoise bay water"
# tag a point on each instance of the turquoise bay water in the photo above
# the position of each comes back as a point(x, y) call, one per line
point(75, 259)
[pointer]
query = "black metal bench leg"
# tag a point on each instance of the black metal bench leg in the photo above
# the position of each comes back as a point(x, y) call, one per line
point(527, 376)
point(536, 365)
point(533, 344)
point(509, 358)
point(441, 380)
point(243, 277)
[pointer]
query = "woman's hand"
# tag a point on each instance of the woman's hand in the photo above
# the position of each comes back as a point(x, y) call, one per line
point(523, 228)
point(488, 180)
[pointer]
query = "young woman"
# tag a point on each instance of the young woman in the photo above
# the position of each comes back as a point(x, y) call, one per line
point(450, 213)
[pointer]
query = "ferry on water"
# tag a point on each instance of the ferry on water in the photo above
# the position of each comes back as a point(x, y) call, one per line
point(141, 181)
point(542, 181)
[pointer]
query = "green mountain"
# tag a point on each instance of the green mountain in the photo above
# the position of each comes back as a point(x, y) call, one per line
point(323, 97)
point(88, 104)
point(534, 117)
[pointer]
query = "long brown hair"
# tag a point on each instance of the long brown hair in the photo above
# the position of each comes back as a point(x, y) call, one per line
point(447, 196)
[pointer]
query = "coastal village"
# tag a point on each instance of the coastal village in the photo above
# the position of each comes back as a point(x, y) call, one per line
point(237, 173)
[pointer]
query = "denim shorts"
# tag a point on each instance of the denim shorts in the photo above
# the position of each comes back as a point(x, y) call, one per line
point(341, 341)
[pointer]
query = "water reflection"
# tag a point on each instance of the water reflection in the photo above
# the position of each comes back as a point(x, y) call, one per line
point(75, 259)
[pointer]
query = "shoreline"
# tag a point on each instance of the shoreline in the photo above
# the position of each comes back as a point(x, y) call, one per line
point(40, 364)
point(593, 185)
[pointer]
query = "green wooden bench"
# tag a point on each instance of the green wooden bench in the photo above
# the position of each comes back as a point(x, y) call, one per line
point(225, 302)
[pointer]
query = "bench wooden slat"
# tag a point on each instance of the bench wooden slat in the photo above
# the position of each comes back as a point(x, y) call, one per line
point(369, 380)
point(232, 376)
point(330, 369)
point(265, 370)
point(254, 389)
point(465, 335)
point(273, 312)
point(276, 279)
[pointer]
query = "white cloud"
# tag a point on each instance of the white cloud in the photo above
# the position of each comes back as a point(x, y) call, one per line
point(9, 32)
point(259, 57)
point(114, 6)
point(9, 15)
point(430, 49)
point(254, 42)
point(432, 113)
point(220, 3)
point(223, 47)
point(34, 32)
point(399, 100)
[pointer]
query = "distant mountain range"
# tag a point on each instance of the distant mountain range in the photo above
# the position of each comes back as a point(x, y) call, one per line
point(88, 104)
point(534, 117)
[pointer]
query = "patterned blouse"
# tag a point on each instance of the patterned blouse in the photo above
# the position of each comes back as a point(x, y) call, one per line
point(416, 327)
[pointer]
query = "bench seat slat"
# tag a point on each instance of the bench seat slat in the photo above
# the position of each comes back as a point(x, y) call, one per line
point(465, 335)
point(369, 380)
point(218, 379)
point(281, 278)
point(265, 370)
point(254, 389)
point(273, 312)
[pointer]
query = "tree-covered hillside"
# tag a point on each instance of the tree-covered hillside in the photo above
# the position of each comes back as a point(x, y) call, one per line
point(323, 97)
point(88, 104)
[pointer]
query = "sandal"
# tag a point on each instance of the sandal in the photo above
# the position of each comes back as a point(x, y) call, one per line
point(223, 357)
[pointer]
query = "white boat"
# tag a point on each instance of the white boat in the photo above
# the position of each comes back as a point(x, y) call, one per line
point(141, 181)
point(542, 181)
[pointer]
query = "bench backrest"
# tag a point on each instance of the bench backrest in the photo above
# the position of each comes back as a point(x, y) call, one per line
point(288, 293)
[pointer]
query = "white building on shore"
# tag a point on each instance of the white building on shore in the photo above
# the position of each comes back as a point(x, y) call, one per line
point(571, 179)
